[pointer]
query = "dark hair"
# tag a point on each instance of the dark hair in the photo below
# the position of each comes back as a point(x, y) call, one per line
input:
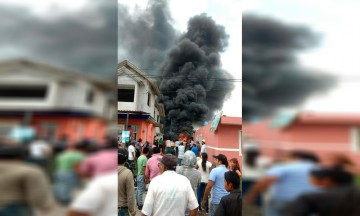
point(139, 140)
point(11, 152)
point(156, 150)
point(204, 157)
point(306, 156)
point(233, 178)
point(251, 156)
point(145, 150)
point(337, 174)
point(122, 156)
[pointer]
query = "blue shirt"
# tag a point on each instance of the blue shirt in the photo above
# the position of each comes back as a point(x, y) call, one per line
point(218, 190)
point(293, 180)
point(195, 150)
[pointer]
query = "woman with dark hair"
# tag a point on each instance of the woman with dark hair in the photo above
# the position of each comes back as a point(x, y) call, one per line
point(204, 166)
point(235, 166)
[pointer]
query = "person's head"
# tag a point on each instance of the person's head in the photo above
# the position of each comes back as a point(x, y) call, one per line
point(189, 159)
point(145, 151)
point(203, 142)
point(234, 164)
point(181, 143)
point(303, 156)
point(232, 181)
point(220, 159)
point(132, 143)
point(167, 163)
point(172, 145)
point(327, 177)
point(156, 150)
point(122, 156)
point(11, 152)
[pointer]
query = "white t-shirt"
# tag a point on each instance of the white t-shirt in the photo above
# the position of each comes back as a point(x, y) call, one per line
point(204, 148)
point(39, 149)
point(131, 150)
point(177, 143)
point(99, 197)
point(169, 194)
point(181, 151)
point(204, 174)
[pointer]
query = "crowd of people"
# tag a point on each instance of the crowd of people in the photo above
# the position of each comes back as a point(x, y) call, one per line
point(41, 176)
point(179, 180)
point(299, 183)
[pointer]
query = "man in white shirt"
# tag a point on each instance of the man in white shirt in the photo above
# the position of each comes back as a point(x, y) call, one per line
point(169, 193)
point(203, 147)
point(99, 198)
point(181, 153)
point(131, 157)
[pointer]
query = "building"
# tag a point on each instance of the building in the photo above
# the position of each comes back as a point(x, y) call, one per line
point(324, 134)
point(54, 101)
point(138, 109)
point(223, 138)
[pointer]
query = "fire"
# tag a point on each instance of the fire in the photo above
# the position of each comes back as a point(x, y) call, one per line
point(183, 137)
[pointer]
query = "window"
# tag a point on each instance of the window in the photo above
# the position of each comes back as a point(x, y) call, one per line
point(149, 98)
point(90, 97)
point(126, 95)
point(23, 92)
point(157, 119)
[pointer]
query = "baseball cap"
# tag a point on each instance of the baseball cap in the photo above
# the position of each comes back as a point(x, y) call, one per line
point(221, 158)
point(169, 161)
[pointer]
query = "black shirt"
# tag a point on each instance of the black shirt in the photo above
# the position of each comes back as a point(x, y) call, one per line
point(230, 205)
point(339, 201)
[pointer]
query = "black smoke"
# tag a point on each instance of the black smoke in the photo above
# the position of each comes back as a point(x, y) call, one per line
point(146, 36)
point(193, 84)
point(83, 40)
point(272, 77)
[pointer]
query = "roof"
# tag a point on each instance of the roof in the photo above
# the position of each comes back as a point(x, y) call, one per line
point(70, 74)
point(328, 118)
point(127, 64)
point(225, 120)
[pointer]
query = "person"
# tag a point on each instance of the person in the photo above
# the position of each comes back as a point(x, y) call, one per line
point(181, 153)
point(203, 147)
point(172, 149)
point(132, 155)
point(204, 166)
point(126, 190)
point(169, 193)
point(152, 169)
point(40, 152)
point(65, 175)
point(338, 197)
point(216, 183)
point(98, 198)
point(231, 204)
point(188, 170)
point(23, 187)
point(100, 162)
point(167, 146)
point(195, 150)
point(285, 181)
point(235, 166)
point(161, 141)
point(140, 179)
point(61, 144)
point(177, 143)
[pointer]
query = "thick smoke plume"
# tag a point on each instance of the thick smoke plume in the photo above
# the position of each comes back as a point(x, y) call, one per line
point(83, 40)
point(193, 85)
point(272, 77)
point(145, 37)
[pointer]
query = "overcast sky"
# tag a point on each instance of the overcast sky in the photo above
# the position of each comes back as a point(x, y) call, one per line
point(337, 21)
